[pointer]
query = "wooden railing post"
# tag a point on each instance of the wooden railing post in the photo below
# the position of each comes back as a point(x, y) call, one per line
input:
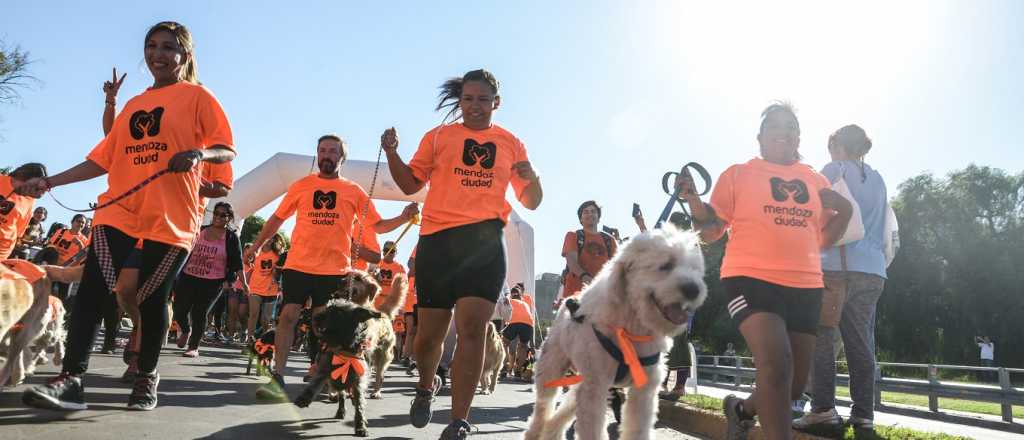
point(933, 380)
point(1004, 383)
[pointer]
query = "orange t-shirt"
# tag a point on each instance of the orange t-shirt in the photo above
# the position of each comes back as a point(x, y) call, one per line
point(152, 128)
point(15, 212)
point(325, 211)
point(774, 216)
point(386, 274)
point(521, 312)
point(261, 280)
point(592, 259)
point(68, 244)
point(369, 242)
point(410, 298)
point(469, 172)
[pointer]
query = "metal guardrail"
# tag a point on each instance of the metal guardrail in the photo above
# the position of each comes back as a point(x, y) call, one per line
point(1004, 393)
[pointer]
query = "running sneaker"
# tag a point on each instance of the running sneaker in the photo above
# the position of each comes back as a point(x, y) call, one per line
point(191, 353)
point(410, 369)
point(419, 412)
point(737, 426)
point(273, 390)
point(860, 423)
point(456, 430)
point(814, 421)
point(64, 392)
point(143, 397)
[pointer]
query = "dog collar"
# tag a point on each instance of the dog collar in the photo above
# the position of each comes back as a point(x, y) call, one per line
point(262, 348)
point(343, 364)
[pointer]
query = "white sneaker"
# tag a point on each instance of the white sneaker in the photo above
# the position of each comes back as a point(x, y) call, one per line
point(812, 420)
point(861, 423)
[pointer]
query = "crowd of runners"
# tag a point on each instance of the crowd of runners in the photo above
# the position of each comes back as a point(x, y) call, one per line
point(149, 259)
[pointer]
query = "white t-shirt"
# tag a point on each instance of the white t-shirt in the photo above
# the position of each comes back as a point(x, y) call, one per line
point(988, 350)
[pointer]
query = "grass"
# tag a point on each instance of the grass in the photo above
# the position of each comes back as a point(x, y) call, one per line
point(947, 404)
point(880, 433)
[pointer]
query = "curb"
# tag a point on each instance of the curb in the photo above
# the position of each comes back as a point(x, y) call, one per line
point(696, 421)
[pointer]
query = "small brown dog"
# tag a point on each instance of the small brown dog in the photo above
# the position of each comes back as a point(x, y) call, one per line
point(494, 357)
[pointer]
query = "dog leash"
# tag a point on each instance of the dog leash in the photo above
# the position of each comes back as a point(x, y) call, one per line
point(97, 207)
point(674, 192)
point(415, 220)
point(366, 210)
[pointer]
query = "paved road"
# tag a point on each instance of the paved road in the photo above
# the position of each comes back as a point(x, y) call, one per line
point(210, 397)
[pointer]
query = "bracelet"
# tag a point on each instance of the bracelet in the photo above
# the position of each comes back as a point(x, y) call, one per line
point(111, 102)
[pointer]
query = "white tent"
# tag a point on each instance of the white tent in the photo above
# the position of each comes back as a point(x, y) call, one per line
point(271, 179)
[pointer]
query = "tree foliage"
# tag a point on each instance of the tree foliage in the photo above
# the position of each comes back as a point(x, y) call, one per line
point(14, 73)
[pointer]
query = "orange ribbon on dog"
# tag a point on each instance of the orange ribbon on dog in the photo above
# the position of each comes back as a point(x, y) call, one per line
point(629, 357)
point(262, 348)
point(343, 364)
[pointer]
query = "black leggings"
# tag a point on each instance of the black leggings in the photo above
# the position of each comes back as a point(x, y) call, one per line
point(108, 252)
point(193, 299)
point(219, 308)
point(111, 322)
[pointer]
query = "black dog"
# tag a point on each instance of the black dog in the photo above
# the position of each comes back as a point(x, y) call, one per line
point(261, 350)
point(347, 331)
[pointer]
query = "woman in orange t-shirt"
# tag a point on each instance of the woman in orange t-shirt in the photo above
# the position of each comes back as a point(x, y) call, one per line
point(779, 214)
point(469, 166)
point(174, 125)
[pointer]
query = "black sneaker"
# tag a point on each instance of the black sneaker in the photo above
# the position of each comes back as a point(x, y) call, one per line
point(736, 423)
point(409, 370)
point(273, 390)
point(143, 397)
point(456, 430)
point(419, 412)
point(64, 392)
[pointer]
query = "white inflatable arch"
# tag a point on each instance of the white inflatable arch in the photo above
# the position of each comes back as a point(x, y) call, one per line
point(271, 180)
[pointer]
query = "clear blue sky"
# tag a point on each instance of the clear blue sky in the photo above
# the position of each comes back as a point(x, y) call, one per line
point(607, 95)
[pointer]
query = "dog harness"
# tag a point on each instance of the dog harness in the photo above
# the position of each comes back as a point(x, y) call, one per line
point(625, 353)
point(262, 348)
point(342, 364)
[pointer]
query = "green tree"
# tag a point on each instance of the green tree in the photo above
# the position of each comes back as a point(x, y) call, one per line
point(250, 227)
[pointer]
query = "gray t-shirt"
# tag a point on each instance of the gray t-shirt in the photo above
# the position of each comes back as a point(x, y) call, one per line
point(869, 191)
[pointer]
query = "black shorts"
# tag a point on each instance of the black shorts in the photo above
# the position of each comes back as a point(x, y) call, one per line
point(524, 332)
point(300, 286)
point(464, 261)
point(799, 308)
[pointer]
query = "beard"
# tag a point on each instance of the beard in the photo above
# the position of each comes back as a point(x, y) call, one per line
point(327, 166)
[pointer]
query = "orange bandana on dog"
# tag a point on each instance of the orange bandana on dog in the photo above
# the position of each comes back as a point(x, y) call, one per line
point(626, 355)
point(342, 364)
point(262, 348)
point(27, 270)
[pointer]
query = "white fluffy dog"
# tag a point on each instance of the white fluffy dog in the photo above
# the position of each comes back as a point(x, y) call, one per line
point(649, 289)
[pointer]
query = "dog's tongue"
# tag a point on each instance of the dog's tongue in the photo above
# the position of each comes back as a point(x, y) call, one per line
point(676, 313)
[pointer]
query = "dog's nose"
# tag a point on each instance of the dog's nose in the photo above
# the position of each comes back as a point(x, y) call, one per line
point(690, 290)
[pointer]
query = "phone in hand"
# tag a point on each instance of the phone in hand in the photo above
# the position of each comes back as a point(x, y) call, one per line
point(636, 210)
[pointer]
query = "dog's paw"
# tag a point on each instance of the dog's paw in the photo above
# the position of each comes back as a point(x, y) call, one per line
point(340, 414)
point(376, 395)
point(362, 432)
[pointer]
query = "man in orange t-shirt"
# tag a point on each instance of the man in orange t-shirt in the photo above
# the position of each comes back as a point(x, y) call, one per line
point(386, 271)
point(585, 250)
point(16, 209)
point(326, 207)
point(369, 248)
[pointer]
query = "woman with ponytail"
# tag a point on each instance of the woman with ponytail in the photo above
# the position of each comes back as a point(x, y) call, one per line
point(461, 262)
point(174, 127)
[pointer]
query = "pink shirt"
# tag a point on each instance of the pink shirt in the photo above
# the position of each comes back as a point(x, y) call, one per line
point(208, 260)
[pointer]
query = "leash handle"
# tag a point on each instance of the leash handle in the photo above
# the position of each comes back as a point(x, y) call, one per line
point(667, 185)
